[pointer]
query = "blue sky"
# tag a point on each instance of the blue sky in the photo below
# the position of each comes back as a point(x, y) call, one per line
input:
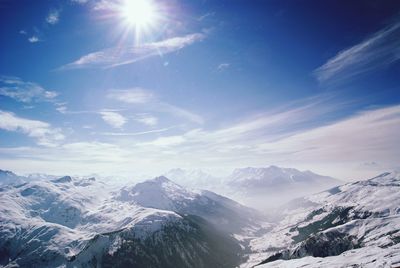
point(86, 87)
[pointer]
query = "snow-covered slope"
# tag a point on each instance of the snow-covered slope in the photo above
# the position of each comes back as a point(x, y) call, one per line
point(366, 257)
point(354, 223)
point(161, 193)
point(8, 177)
point(68, 222)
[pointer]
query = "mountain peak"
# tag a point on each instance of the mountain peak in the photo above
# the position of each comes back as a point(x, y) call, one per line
point(160, 179)
point(6, 172)
point(274, 176)
point(64, 179)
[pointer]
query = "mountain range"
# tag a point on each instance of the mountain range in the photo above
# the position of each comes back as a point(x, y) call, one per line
point(262, 188)
point(85, 222)
point(80, 223)
point(352, 225)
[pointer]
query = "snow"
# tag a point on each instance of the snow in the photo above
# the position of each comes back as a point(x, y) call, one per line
point(373, 221)
point(273, 176)
point(72, 218)
point(58, 218)
point(158, 193)
point(367, 257)
point(63, 218)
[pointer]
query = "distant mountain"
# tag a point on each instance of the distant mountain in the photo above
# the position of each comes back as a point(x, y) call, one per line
point(69, 222)
point(193, 178)
point(356, 224)
point(261, 188)
point(83, 222)
point(266, 188)
point(271, 177)
point(39, 176)
point(8, 177)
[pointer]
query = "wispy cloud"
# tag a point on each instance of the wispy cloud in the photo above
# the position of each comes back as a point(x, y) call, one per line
point(368, 136)
point(33, 39)
point(338, 148)
point(206, 16)
point(114, 119)
point(39, 130)
point(179, 112)
point(53, 17)
point(104, 5)
point(146, 119)
point(81, 2)
point(139, 133)
point(142, 96)
point(133, 95)
point(24, 91)
point(223, 66)
point(379, 50)
point(117, 56)
point(166, 141)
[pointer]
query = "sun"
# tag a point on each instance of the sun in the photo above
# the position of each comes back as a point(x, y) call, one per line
point(140, 14)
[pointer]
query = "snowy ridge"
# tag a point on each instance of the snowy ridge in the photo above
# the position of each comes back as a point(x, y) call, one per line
point(260, 188)
point(70, 222)
point(161, 193)
point(267, 188)
point(54, 220)
point(8, 177)
point(273, 176)
point(350, 222)
point(158, 193)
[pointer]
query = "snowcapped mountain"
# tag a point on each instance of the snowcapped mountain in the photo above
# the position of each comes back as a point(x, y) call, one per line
point(266, 188)
point(353, 224)
point(273, 176)
point(161, 193)
point(261, 188)
point(83, 222)
point(68, 222)
point(39, 176)
point(8, 177)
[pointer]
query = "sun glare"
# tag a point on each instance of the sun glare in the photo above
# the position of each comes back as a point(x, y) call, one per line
point(139, 13)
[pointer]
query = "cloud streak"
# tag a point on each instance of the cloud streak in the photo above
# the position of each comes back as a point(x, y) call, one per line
point(133, 95)
point(22, 91)
point(379, 50)
point(148, 100)
point(44, 134)
point(338, 148)
point(116, 56)
point(146, 119)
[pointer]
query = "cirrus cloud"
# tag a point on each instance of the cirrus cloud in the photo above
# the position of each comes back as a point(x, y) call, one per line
point(379, 50)
point(117, 56)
